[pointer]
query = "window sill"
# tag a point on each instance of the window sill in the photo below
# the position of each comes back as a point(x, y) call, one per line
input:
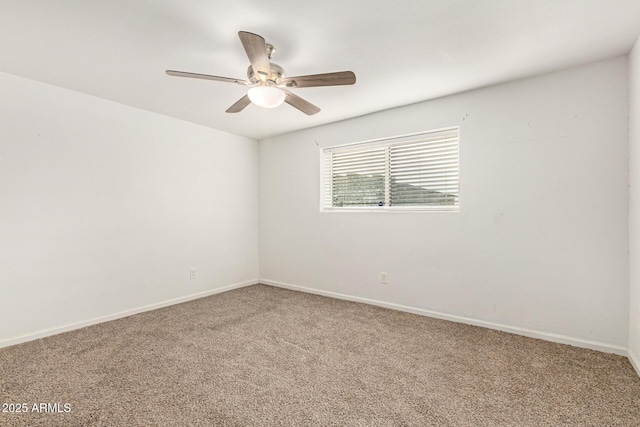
point(453, 209)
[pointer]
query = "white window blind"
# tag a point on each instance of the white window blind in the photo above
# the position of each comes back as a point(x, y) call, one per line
point(411, 172)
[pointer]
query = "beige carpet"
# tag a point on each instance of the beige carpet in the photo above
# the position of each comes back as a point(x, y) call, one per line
point(267, 356)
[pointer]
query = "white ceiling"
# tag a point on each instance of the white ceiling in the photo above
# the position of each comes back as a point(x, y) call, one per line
point(402, 51)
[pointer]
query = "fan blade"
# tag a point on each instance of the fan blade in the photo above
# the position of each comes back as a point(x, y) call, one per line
point(256, 49)
point(239, 105)
point(327, 79)
point(206, 77)
point(299, 103)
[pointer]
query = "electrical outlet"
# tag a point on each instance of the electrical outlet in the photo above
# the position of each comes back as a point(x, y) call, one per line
point(193, 274)
point(384, 278)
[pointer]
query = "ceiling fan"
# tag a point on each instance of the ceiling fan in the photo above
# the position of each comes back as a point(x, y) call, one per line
point(267, 82)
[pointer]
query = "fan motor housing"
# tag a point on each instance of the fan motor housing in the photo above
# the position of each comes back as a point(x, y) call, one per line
point(277, 74)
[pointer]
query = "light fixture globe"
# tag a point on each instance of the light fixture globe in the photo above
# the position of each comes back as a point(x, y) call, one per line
point(266, 96)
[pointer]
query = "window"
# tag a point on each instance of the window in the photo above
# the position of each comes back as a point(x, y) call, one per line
point(410, 172)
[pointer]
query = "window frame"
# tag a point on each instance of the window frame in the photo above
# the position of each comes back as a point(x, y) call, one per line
point(386, 141)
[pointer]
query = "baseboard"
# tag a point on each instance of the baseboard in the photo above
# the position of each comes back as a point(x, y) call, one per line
point(121, 314)
point(635, 361)
point(562, 339)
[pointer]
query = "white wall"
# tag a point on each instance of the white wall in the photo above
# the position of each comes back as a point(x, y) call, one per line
point(634, 205)
point(541, 240)
point(104, 208)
